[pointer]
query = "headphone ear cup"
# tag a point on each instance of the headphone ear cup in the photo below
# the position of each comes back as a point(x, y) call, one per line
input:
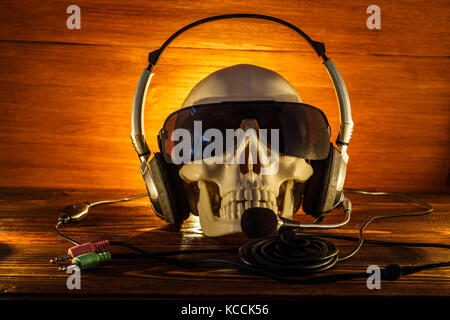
point(325, 188)
point(170, 205)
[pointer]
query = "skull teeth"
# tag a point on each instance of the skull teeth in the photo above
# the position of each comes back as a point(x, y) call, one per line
point(236, 202)
point(249, 194)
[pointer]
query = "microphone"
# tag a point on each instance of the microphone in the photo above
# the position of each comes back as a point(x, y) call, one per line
point(262, 222)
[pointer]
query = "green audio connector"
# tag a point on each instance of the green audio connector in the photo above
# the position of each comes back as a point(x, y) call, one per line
point(88, 260)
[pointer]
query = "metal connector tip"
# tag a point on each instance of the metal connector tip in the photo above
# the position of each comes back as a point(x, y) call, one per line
point(58, 259)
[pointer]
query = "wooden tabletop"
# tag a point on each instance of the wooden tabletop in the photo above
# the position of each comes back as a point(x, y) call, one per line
point(28, 241)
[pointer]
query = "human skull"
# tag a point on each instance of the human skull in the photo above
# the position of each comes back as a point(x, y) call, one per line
point(242, 186)
point(226, 190)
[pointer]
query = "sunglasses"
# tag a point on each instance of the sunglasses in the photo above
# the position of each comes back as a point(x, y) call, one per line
point(303, 130)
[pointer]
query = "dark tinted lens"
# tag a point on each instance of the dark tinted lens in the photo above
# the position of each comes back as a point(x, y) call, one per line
point(303, 130)
point(211, 116)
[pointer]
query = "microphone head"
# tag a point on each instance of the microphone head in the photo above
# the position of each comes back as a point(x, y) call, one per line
point(259, 222)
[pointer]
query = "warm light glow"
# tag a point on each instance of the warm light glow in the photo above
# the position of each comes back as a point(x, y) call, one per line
point(191, 229)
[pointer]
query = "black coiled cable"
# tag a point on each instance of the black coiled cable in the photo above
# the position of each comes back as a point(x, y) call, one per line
point(291, 251)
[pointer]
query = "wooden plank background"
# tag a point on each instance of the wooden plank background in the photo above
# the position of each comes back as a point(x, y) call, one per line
point(66, 95)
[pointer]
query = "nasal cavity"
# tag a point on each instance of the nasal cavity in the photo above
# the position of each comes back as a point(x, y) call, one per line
point(250, 164)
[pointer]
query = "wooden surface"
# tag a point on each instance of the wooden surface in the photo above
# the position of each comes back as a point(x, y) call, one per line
point(66, 95)
point(27, 242)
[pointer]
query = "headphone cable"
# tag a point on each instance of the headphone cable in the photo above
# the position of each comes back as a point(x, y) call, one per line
point(291, 254)
point(77, 212)
point(429, 209)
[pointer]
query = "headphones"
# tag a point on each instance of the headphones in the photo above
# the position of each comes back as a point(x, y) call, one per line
point(324, 189)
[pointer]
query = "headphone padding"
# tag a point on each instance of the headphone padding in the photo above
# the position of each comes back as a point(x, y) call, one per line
point(171, 208)
point(322, 192)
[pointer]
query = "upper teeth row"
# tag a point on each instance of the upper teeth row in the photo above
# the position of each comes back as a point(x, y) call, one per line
point(249, 194)
point(235, 202)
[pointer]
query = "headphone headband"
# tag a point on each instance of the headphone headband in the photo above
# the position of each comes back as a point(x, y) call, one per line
point(319, 47)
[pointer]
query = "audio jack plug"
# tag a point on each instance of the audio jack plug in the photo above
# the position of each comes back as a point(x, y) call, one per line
point(88, 260)
point(82, 249)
